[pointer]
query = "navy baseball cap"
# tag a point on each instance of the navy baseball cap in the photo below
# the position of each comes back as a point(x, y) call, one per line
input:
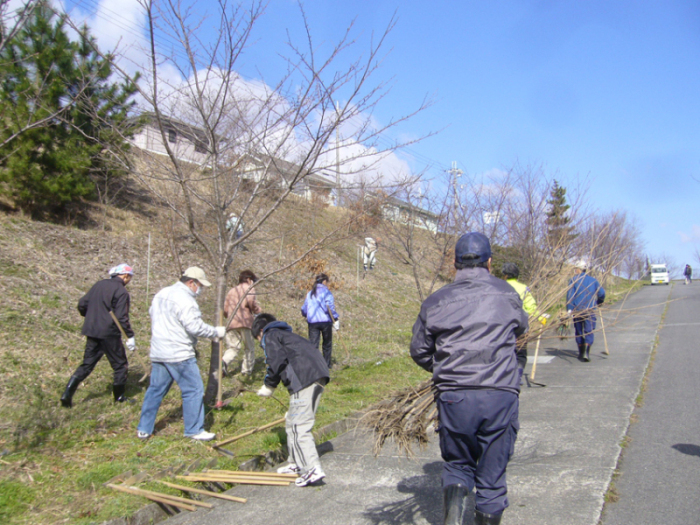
point(474, 247)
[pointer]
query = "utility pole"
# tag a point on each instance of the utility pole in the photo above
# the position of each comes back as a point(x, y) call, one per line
point(455, 173)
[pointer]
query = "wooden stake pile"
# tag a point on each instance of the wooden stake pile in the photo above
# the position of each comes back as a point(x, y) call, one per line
point(207, 476)
point(404, 418)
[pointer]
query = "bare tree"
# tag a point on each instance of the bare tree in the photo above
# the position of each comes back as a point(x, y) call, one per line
point(417, 234)
point(235, 151)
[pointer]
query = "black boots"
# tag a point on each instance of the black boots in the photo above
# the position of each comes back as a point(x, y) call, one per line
point(481, 518)
point(584, 351)
point(455, 497)
point(118, 391)
point(71, 387)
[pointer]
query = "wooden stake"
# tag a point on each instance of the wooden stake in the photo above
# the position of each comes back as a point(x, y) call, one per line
point(219, 392)
point(534, 364)
point(245, 434)
point(602, 327)
point(157, 497)
point(204, 492)
point(232, 479)
point(255, 473)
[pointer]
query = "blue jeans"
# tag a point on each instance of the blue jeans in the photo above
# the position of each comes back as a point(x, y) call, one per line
point(186, 375)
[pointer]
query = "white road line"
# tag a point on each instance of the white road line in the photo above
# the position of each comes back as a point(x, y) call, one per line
point(541, 359)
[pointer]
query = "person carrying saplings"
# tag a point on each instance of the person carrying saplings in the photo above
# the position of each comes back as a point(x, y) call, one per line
point(512, 272)
point(583, 297)
point(103, 335)
point(465, 335)
point(298, 365)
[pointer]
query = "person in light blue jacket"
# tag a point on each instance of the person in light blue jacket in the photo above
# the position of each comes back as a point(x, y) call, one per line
point(319, 311)
point(583, 297)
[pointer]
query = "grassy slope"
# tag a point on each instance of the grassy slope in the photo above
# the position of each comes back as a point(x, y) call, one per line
point(55, 460)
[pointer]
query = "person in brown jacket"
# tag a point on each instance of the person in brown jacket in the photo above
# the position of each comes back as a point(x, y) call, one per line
point(238, 331)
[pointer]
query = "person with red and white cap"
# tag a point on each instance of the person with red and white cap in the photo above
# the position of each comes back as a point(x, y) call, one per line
point(103, 335)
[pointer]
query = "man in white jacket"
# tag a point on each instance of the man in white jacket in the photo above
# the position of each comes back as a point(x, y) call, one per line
point(176, 323)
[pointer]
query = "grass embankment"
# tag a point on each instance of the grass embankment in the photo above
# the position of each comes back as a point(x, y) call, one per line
point(54, 461)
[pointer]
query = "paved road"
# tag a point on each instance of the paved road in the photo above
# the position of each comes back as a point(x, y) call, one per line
point(660, 469)
point(566, 452)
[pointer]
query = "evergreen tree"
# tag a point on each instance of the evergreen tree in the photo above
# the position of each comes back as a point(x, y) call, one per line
point(559, 232)
point(61, 111)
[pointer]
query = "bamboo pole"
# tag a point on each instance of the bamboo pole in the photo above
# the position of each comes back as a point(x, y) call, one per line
point(157, 497)
point(534, 364)
point(245, 434)
point(605, 338)
point(204, 492)
point(237, 480)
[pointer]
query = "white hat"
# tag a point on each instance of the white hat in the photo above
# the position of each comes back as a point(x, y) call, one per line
point(580, 264)
point(196, 273)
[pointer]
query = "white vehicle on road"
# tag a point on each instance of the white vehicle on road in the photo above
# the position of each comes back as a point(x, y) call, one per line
point(659, 274)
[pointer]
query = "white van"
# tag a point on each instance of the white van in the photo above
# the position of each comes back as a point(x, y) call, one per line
point(659, 274)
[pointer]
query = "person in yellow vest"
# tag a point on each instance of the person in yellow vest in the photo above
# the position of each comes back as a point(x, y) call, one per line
point(511, 272)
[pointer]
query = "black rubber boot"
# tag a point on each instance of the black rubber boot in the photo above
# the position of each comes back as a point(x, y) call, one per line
point(455, 497)
point(581, 352)
point(118, 391)
point(587, 357)
point(71, 387)
point(481, 518)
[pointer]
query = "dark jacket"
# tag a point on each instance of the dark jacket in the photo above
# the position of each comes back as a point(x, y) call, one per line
point(584, 293)
point(465, 333)
point(291, 359)
point(105, 296)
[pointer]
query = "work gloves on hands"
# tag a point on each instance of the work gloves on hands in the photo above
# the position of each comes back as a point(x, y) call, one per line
point(131, 344)
point(336, 324)
point(220, 332)
point(266, 391)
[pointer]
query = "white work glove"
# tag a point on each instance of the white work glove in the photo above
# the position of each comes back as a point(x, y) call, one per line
point(131, 344)
point(336, 324)
point(220, 332)
point(266, 391)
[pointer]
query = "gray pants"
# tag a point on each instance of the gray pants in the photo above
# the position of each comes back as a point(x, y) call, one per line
point(300, 420)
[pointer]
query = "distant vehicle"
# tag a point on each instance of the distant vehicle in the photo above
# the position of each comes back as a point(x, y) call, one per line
point(659, 274)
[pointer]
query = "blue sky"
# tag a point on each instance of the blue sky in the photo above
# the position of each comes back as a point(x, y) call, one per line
point(602, 91)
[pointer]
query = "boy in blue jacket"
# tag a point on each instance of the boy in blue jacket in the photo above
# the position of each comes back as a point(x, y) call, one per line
point(300, 367)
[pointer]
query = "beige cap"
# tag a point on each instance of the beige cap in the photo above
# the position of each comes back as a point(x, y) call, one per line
point(194, 272)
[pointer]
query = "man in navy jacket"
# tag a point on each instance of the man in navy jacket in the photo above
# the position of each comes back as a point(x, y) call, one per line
point(466, 336)
point(103, 335)
point(582, 297)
